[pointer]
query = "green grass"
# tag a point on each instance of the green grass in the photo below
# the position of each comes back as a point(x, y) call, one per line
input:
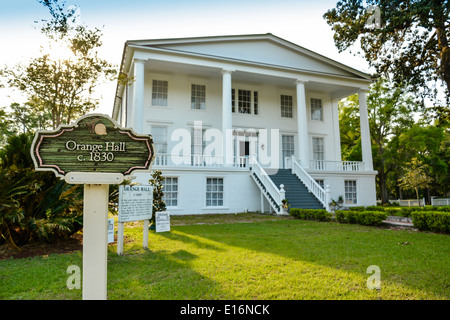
point(281, 259)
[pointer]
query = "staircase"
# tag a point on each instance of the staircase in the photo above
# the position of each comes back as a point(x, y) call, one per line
point(297, 193)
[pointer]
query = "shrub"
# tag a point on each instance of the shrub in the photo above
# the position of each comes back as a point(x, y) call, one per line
point(368, 218)
point(311, 214)
point(437, 221)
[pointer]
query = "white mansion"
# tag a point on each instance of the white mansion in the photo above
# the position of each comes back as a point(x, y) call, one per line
point(240, 123)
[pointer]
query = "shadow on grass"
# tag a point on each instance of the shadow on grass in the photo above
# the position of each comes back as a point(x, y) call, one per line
point(416, 260)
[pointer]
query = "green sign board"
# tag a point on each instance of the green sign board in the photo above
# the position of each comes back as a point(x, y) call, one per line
point(94, 144)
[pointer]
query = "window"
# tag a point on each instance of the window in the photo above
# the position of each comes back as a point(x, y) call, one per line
point(350, 192)
point(286, 106)
point(316, 109)
point(159, 135)
point(214, 192)
point(198, 97)
point(170, 189)
point(255, 102)
point(160, 93)
point(198, 145)
point(318, 153)
point(320, 182)
point(245, 101)
point(318, 149)
point(287, 146)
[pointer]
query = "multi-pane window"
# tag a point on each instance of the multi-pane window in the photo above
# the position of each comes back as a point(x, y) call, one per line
point(286, 106)
point(316, 109)
point(350, 192)
point(160, 90)
point(255, 102)
point(287, 146)
point(245, 101)
point(198, 96)
point(318, 153)
point(214, 192)
point(159, 135)
point(318, 148)
point(170, 189)
point(320, 182)
point(198, 145)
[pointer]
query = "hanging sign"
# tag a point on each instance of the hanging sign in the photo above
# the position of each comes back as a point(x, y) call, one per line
point(93, 144)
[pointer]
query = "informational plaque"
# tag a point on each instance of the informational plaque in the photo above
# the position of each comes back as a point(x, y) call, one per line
point(135, 202)
point(162, 220)
point(110, 230)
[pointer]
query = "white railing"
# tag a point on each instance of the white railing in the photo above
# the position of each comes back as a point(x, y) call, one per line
point(440, 202)
point(271, 190)
point(168, 160)
point(311, 184)
point(336, 165)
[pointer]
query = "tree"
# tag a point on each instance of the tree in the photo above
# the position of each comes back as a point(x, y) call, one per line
point(406, 39)
point(389, 110)
point(416, 177)
point(63, 86)
point(158, 193)
point(426, 143)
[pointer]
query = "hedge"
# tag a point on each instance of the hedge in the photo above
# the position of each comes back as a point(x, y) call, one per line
point(368, 218)
point(311, 214)
point(436, 221)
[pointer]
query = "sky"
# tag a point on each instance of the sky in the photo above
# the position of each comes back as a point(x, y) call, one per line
point(297, 21)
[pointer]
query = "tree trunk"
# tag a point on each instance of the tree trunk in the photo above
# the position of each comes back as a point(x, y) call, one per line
point(383, 188)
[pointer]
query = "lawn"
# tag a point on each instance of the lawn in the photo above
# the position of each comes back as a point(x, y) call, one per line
point(269, 258)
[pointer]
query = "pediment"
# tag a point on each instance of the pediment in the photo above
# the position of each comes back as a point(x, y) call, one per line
point(260, 49)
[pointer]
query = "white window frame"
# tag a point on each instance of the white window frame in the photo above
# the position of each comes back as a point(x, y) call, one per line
point(351, 195)
point(173, 193)
point(285, 110)
point(217, 192)
point(254, 100)
point(194, 97)
point(156, 141)
point(313, 109)
point(160, 101)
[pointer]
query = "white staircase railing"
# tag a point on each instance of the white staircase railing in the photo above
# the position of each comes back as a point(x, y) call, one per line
point(311, 184)
point(273, 195)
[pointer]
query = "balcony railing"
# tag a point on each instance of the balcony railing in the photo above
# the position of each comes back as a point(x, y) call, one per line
point(198, 161)
point(323, 165)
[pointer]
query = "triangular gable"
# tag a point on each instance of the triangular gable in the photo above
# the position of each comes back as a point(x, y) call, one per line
point(260, 49)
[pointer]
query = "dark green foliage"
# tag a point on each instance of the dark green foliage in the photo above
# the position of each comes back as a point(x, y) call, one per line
point(311, 214)
point(34, 205)
point(436, 221)
point(158, 193)
point(368, 218)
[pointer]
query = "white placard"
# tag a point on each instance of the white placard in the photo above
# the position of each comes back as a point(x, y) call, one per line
point(135, 203)
point(162, 220)
point(110, 230)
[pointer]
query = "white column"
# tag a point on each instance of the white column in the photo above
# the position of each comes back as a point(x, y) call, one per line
point(302, 126)
point(227, 122)
point(365, 132)
point(336, 132)
point(95, 241)
point(138, 95)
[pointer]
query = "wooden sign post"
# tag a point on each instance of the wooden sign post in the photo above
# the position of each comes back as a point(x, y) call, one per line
point(94, 151)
